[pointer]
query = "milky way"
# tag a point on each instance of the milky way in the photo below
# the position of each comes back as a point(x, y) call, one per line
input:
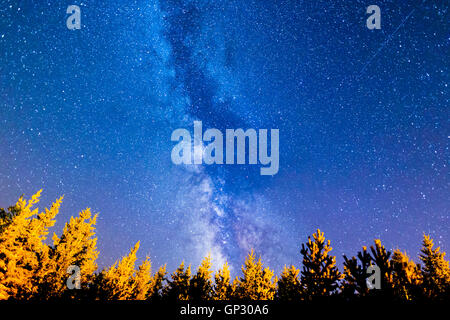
point(362, 114)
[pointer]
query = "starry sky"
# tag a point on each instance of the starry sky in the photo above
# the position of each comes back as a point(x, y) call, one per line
point(362, 114)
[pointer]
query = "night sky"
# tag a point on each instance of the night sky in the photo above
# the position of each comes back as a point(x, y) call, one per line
point(362, 114)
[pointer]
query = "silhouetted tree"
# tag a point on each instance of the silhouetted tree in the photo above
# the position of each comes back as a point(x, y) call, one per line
point(155, 292)
point(355, 274)
point(381, 257)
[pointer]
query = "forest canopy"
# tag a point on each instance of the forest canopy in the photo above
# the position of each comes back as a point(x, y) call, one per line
point(34, 268)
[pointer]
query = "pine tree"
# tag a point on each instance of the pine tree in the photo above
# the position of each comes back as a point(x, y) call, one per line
point(201, 284)
point(178, 287)
point(355, 274)
point(77, 246)
point(156, 289)
point(257, 283)
point(118, 282)
point(436, 272)
point(289, 287)
point(142, 281)
point(381, 257)
point(32, 269)
point(320, 276)
point(406, 277)
point(24, 257)
point(222, 288)
point(268, 286)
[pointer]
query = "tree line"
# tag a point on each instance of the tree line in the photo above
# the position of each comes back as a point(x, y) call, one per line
point(32, 269)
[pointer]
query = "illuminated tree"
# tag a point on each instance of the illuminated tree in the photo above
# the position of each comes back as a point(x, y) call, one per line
point(201, 287)
point(77, 246)
point(320, 276)
point(289, 287)
point(30, 268)
point(24, 257)
point(142, 281)
point(436, 272)
point(257, 283)
point(406, 276)
point(118, 282)
point(222, 288)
